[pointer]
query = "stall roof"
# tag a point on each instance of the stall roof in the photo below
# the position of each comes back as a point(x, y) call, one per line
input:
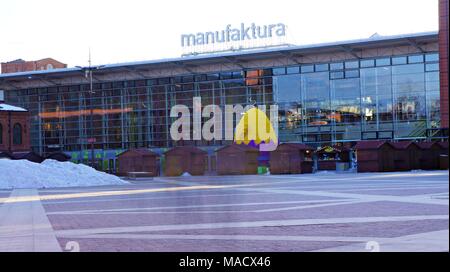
point(191, 149)
point(141, 151)
point(401, 144)
point(368, 145)
point(298, 146)
point(242, 147)
point(426, 145)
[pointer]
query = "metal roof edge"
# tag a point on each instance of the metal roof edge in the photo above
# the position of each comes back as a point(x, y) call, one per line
point(230, 54)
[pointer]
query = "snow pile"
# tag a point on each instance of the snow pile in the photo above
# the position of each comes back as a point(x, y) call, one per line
point(51, 173)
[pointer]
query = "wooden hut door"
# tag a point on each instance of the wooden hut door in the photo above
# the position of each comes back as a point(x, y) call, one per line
point(284, 163)
point(387, 160)
point(175, 165)
point(233, 163)
point(294, 164)
point(414, 156)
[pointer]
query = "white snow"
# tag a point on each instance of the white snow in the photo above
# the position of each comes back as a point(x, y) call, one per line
point(6, 107)
point(51, 173)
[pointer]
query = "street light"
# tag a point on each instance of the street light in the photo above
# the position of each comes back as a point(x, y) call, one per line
point(88, 74)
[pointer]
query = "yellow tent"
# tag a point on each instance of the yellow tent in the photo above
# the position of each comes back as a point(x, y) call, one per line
point(255, 126)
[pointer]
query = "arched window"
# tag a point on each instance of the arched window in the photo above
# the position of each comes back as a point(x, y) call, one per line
point(17, 134)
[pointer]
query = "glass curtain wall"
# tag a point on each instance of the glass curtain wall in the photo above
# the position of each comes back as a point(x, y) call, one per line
point(381, 98)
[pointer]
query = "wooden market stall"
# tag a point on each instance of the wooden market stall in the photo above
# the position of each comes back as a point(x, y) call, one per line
point(429, 155)
point(374, 156)
point(291, 158)
point(185, 159)
point(138, 162)
point(329, 156)
point(27, 155)
point(406, 155)
point(59, 156)
point(237, 159)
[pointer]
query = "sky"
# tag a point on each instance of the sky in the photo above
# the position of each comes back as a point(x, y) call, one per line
point(135, 30)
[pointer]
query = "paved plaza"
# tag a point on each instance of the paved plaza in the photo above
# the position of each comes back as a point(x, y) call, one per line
point(311, 212)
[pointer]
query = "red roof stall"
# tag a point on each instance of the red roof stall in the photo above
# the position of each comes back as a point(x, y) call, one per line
point(406, 155)
point(429, 155)
point(237, 159)
point(183, 159)
point(291, 158)
point(138, 160)
point(374, 156)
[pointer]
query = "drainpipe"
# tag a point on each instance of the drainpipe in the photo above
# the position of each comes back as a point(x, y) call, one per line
point(9, 133)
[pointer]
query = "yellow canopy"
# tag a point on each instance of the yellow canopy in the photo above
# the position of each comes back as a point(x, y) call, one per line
point(255, 125)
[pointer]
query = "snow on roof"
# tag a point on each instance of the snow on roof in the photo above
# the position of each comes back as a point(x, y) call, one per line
point(6, 107)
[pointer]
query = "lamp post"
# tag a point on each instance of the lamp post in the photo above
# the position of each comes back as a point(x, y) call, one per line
point(88, 74)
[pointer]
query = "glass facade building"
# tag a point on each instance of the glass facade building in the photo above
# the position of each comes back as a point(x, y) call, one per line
point(388, 98)
point(391, 96)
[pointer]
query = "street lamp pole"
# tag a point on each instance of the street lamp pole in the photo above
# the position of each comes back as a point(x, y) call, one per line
point(88, 73)
point(91, 115)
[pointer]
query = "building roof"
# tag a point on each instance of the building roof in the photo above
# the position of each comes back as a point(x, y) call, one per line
point(373, 42)
point(16, 61)
point(6, 107)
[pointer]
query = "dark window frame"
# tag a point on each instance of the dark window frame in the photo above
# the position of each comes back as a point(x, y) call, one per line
point(17, 134)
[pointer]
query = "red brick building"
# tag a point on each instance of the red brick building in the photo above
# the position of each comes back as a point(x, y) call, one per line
point(14, 128)
point(21, 65)
point(443, 60)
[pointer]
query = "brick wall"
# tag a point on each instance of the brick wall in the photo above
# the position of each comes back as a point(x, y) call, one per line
point(22, 66)
point(7, 121)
